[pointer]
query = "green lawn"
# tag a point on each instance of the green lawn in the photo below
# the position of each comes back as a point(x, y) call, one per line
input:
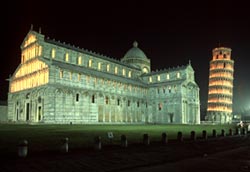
point(48, 137)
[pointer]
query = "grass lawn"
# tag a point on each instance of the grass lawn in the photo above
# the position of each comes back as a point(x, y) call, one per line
point(48, 137)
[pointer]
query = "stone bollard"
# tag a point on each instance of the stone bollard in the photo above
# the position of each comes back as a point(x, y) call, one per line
point(214, 133)
point(204, 134)
point(244, 131)
point(65, 145)
point(237, 131)
point(230, 132)
point(98, 143)
point(164, 138)
point(146, 140)
point(192, 136)
point(223, 133)
point(124, 141)
point(22, 149)
point(179, 137)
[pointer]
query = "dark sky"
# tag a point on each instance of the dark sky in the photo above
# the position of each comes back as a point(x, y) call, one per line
point(169, 32)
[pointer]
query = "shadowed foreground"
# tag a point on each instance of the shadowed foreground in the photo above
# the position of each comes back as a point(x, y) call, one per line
point(231, 153)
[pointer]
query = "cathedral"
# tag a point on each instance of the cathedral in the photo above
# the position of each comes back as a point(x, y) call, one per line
point(58, 83)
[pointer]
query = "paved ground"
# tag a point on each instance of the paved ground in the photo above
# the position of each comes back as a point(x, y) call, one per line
point(223, 154)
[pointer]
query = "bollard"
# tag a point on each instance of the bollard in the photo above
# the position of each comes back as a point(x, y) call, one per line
point(214, 133)
point(204, 134)
point(244, 131)
point(97, 143)
point(179, 137)
point(237, 131)
point(65, 145)
point(164, 138)
point(192, 136)
point(223, 133)
point(230, 132)
point(146, 140)
point(124, 141)
point(22, 149)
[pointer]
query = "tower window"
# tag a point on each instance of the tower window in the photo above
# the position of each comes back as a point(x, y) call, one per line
point(118, 102)
point(108, 68)
point(224, 65)
point(217, 56)
point(93, 99)
point(77, 97)
point(224, 56)
point(128, 102)
point(107, 100)
point(159, 106)
point(138, 104)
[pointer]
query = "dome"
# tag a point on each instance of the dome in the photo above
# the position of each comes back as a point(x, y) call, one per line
point(135, 52)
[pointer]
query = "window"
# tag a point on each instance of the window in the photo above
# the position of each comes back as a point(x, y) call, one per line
point(108, 68)
point(53, 53)
point(67, 57)
point(70, 75)
point(178, 75)
point(158, 78)
point(118, 102)
point(93, 99)
point(169, 89)
point(107, 100)
point(123, 72)
point(224, 56)
point(128, 102)
point(79, 77)
point(61, 74)
point(90, 63)
point(164, 90)
point(116, 70)
point(167, 76)
point(138, 104)
point(99, 66)
point(159, 106)
point(158, 90)
point(217, 56)
point(129, 74)
point(77, 97)
point(150, 79)
point(79, 60)
point(224, 65)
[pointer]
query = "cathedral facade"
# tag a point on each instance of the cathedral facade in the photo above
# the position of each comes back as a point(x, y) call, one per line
point(58, 83)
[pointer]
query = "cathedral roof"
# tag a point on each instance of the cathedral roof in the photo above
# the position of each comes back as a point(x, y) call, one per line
point(135, 52)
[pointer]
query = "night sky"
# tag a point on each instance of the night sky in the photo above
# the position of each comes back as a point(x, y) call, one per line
point(169, 33)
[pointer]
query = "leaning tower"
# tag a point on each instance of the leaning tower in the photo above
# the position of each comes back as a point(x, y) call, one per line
point(220, 88)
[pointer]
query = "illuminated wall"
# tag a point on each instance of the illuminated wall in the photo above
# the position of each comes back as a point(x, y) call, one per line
point(32, 72)
point(220, 88)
